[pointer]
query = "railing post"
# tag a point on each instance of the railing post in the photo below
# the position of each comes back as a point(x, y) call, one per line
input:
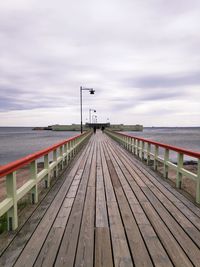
point(122, 140)
point(61, 155)
point(179, 174)
point(142, 151)
point(148, 152)
point(166, 159)
point(198, 183)
point(73, 143)
point(155, 158)
point(55, 160)
point(11, 190)
point(46, 166)
point(34, 191)
point(72, 146)
point(128, 143)
point(65, 151)
point(68, 152)
point(132, 145)
point(138, 148)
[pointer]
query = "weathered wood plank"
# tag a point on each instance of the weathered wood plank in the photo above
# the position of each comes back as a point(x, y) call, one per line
point(176, 197)
point(85, 249)
point(67, 249)
point(122, 256)
point(101, 209)
point(103, 250)
point(135, 232)
point(130, 174)
point(178, 230)
point(28, 255)
point(11, 254)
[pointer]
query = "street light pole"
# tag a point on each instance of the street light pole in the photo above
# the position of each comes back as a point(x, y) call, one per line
point(91, 90)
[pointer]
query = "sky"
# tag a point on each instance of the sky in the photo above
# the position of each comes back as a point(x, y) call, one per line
point(142, 57)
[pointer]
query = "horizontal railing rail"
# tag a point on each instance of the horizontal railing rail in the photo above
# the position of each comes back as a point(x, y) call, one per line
point(62, 153)
point(142, 148)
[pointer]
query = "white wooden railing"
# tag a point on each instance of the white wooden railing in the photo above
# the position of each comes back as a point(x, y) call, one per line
point(62, 152)
point(148, 150)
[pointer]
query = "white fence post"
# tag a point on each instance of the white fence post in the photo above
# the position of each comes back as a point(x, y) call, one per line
point(11, 190)
point(46, 166)
point(34, 191)
point(179, 173)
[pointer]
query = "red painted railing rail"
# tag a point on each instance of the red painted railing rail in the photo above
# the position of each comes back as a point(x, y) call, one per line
point(15, 165)
point(170, 147)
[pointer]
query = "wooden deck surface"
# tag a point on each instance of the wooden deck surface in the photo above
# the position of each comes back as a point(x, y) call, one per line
point(109, 211)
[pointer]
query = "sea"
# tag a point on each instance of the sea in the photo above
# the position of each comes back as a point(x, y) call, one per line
point(17, 142)
point(183, 137)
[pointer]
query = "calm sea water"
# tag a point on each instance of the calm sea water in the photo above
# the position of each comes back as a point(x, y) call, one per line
point(188, 137)
point(17, 142)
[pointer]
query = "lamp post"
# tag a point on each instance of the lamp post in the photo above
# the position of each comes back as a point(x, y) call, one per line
point(91, 90)
point(94, 110)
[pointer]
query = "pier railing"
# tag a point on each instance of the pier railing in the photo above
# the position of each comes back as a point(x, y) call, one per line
point(61, 153)
point(149, 151)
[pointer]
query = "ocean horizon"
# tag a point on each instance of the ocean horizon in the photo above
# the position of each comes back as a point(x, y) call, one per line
point(17, 142)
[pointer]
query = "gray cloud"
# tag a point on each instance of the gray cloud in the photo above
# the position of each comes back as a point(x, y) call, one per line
point(49, 48)
point(166, 81)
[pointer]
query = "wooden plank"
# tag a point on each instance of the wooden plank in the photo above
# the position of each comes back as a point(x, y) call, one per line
point(48, 252)
point(144, 182)
point(47, 255)
point(134, 237)
point(180, 206)
point(110, 196)
point(28, 255)
point(174, 250)
point(67, 249)
point(9, 256)
point(135, 232)
point(84, 255)
point(101, 209)
point(167, 239)
point(188, 246)
point(176, 197)
point(180, 212)
point(120, 247)
point(184, 205)
point(103, 251)
point(156, 250)
point(85, 249)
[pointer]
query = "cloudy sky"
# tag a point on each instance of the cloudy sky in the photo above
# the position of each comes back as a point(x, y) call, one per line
point(141, 56)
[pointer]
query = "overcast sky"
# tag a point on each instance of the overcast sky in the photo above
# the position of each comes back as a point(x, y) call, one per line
point(141, 56)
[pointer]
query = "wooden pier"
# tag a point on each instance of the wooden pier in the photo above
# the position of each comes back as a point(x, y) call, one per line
point(109, 210)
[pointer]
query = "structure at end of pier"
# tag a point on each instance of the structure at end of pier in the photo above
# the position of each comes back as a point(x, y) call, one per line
point(99, 125)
